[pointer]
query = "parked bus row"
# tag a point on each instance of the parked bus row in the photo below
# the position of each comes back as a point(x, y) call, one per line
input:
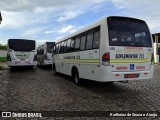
point(112, 49)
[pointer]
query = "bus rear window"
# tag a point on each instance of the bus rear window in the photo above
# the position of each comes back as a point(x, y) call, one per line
point(21, 45)
point(128, 32)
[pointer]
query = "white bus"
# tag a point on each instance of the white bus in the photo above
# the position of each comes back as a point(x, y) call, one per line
point(21, 52)
point(113, 49)
point(44, 54)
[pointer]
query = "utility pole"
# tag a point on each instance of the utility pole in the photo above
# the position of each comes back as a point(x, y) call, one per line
point(156, 56)
point(0, 18)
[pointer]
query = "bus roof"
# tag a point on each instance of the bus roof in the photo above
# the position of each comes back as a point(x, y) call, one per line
point(20, 39)
point(99, 22)
point(47, 43)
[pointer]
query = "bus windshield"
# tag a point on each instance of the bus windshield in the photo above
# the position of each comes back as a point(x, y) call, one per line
point(128, 32)
point(21, 45)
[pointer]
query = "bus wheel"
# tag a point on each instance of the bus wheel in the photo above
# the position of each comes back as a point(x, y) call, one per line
point(41, 65)
point(53, 66)
point(109, 83)
point(76, 78)
point(12, 68)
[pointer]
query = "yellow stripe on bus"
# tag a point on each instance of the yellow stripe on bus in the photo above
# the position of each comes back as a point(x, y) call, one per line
point(112, 60)
point(83, 60)
point(130, 60)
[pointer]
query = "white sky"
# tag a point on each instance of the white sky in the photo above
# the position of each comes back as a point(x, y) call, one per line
point(49, 20)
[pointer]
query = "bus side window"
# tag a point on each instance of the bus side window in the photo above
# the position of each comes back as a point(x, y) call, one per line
point(41, 51)
point(57, 48)
point(68, 45)
point(83, 42)
point(96, 39)
point(54, 50)
point(37, 51)
point(61, 47)
point(89, 40)
point(72, 45)
point(77, 43)
point(64, 46)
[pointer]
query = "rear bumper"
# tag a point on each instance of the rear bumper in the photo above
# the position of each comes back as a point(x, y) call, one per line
point(119, 76)
point(46, 62)
point(10, 64)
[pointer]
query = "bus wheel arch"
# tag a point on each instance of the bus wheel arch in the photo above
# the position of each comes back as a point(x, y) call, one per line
point(75, 76)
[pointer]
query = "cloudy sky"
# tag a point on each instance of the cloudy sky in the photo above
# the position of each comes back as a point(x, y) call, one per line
point(50, 20)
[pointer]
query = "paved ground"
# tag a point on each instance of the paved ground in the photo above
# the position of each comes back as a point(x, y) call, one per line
point(42, 90)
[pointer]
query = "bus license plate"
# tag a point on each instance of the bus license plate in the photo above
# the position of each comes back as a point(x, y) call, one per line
point(131, 75)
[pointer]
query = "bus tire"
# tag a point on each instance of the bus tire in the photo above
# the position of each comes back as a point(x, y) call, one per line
point(53, 66)
point(32, 67)
point(109, 83)
point(38, 65)
point(12, 68)
point(76, 78)
point(41, 66)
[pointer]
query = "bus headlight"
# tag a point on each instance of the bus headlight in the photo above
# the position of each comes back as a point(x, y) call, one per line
point(8, 57)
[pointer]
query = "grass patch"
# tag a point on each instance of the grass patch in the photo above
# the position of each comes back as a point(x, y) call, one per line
point(3, 59)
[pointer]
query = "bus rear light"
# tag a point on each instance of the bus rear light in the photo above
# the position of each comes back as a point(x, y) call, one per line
point(145, 73)
point(35, 58)
point(106, 59)
point(117, 75)
point(152, 59)
point(8, 57)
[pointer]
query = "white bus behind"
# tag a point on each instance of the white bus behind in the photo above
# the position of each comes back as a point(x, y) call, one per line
point(44, 54)
point(21, 52)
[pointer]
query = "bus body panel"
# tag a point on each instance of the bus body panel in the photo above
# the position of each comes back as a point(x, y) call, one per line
point(87, 63)
point(130, 58)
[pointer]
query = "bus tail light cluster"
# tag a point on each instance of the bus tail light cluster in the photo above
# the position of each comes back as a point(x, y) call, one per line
point(106, 59)
point(8, 57)
point(35, 58)
point(152, 59)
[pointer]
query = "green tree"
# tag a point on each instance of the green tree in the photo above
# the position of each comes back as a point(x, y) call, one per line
point(3, 47)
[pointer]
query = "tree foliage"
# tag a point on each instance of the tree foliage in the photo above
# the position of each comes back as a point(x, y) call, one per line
point(3, 47)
